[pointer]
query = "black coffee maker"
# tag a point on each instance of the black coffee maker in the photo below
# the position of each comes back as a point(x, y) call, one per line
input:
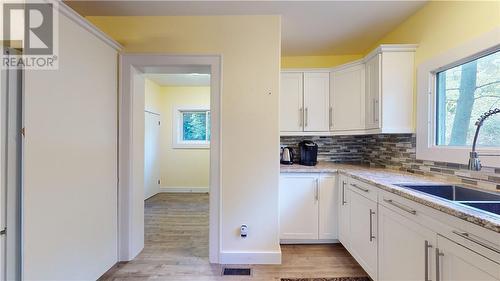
point(308, 153)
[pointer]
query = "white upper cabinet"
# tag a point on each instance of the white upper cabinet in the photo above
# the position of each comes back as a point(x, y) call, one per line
point(372, 68)
point(291, 102)
point(304, 105)
point(369, 96)
point(389, 89)
point(347, 98)
point(316, 107)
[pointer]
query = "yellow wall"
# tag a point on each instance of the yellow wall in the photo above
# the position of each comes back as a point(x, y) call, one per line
point(179, 167)
point(440, 26)
point(317, 61)
point(251, 49)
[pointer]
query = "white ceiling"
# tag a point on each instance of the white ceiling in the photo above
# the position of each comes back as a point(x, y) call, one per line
point(308, 27)
point(193, 79)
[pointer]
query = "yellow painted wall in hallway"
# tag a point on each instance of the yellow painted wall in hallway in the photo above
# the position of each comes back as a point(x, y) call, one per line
point(179, 167)
point(250, 47)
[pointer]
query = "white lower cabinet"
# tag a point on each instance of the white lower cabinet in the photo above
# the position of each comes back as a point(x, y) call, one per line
point(406, 249)
point(393, 238)
point(328, 208)
point(344, 204)
point(363, 232)
point(456, 262)
point(308, 208)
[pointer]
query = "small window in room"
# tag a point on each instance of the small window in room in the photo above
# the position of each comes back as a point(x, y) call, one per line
point(463, 93)
point(192, 128)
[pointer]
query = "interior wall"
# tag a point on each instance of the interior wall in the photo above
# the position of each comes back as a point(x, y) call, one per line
point(442, 25)
point(70, 161)
point(317, 61)
point(180, 167)
point(250, 47)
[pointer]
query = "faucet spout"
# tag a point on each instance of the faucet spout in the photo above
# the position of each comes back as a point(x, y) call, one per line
point(474, 162)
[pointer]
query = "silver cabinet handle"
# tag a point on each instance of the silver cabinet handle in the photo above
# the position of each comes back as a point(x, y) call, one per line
point(401, 206)
point(343, 193)
point(360, 188)
point(331, 116)
point(374, 112)
point(371, 225)
point(467, 236)
point(316, 195)
point(307, 117)
point(301, 117)
point(427, 246)
point(438, 269)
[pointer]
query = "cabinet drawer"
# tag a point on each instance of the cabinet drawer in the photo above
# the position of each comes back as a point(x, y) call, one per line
point(364, 189)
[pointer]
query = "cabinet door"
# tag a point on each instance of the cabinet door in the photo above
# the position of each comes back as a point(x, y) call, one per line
point(348, 96)
point(363, 232)
point(373, 92)
point(299, 207)
point(344, 211)
point(455, 262)
point(291, 103)
point(405, 247)
point(316, 105)
point(328, 207)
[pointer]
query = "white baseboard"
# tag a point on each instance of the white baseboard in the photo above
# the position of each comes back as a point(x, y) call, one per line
point(184, 189)
point(309, 241)
point(250, 257)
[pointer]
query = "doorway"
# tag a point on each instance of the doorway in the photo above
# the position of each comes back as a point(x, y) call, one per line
point(134, 68)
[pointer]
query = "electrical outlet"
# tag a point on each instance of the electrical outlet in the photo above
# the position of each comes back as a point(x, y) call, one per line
point(244, 231)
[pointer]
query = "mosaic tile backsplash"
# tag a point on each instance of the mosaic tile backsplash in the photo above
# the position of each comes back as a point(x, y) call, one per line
point(394, 152)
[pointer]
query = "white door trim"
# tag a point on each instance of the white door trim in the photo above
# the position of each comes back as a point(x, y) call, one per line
point(131, 218)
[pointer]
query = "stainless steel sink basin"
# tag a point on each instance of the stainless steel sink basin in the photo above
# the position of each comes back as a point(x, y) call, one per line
point(482, 200)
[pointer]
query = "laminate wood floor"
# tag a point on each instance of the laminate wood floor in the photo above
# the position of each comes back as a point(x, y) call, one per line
point(176, 248)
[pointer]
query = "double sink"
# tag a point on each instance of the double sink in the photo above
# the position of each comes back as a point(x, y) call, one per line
point(481, 200)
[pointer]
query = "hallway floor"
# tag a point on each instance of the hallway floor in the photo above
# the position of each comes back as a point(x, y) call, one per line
point(176, 248)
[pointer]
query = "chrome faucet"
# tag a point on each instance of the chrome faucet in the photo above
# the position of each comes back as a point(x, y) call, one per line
point(474, 162)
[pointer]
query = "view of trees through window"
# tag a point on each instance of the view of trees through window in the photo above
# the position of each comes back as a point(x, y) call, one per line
point(196, 125)
point(464, 93)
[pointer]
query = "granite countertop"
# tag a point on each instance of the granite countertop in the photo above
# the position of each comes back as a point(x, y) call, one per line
point(386, 179)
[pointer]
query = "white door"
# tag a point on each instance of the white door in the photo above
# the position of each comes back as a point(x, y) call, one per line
point(299, 207)
point(455, 262)
point(10, 178)
point(328, 207)
point(316, 105)
point(405, 247)
point(151, 154)
point(291, 102)
point(344, 204)
point(347, 98)
point(373, 91)
point(363, 232)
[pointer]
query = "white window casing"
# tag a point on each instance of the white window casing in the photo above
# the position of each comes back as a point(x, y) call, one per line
point(426, 101)
point(177, 127)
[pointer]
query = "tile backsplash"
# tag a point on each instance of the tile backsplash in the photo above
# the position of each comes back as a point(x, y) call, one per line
point(395, 152)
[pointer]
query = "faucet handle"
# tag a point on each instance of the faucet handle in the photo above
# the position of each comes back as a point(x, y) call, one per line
point(474, 162)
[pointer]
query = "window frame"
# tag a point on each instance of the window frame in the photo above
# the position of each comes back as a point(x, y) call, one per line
point(177, 128)
point(427, 149)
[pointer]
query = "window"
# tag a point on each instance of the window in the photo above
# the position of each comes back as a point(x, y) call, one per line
point(464, 92)
point(454, 89)
point(191, 128)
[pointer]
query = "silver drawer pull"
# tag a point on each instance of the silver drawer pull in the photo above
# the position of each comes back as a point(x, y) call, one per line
point(401, 206)
point(467, 236)
point(360, 188)
point(438, 265)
